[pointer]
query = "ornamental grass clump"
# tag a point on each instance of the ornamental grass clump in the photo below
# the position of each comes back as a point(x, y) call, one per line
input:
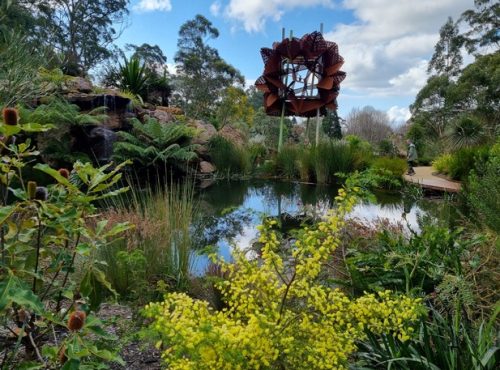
point(279, 314)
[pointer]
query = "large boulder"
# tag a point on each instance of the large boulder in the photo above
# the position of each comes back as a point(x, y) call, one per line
point(203, 133)
point(172, 110)
point(206, 168)
point(77, 85)
point(162, 116)
point(233, 135)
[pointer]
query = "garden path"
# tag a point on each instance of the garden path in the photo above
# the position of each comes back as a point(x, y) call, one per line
point(426, 178)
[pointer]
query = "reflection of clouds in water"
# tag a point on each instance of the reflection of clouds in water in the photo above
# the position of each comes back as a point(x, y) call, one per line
point(248, 236)
point(263, 200)
point(394, 213)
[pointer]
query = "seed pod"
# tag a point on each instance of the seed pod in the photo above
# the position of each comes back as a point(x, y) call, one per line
point(64, 173)
point(10, 116)
point(32, 189)
point(41, 193)
point(76, 320)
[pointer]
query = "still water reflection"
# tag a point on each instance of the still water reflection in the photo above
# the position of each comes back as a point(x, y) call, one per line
point(230, 211)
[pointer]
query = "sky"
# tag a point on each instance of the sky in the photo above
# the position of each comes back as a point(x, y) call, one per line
point(386, 44)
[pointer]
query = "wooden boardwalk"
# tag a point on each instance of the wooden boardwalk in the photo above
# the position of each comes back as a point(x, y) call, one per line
point(426, 179)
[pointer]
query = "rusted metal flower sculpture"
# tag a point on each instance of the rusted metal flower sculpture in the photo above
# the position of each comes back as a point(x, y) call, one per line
point(301, 76)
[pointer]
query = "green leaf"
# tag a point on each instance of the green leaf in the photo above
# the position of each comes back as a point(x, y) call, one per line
point(489, 355)
point(8, 130)
point(19, 193)
point(13, 290)
point(56, 175)
point(6, 212)
point(118, 229)
point(95, 286)
point(36, 127)
point(108, 356)
point(50, 352)
point(29, 366)
point(83, 249)
point(72, 364)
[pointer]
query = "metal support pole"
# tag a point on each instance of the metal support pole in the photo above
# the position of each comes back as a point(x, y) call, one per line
point(317, 127)
point(317, 110)
point(282, 121)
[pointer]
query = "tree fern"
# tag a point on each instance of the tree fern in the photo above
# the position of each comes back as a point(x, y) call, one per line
point(56, 145)
point(154, 143)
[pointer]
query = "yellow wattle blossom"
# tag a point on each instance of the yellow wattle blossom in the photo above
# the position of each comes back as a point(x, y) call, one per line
point(279, 315)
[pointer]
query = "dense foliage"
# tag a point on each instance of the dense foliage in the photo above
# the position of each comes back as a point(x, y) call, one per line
point(279, 315)
point(46, 232)
point(154, 143)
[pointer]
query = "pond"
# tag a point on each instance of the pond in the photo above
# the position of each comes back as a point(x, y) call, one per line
point(228, 212)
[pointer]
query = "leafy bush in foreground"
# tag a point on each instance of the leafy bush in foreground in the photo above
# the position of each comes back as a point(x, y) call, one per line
point(45, 234)
point(483, 191)
point(280, 316)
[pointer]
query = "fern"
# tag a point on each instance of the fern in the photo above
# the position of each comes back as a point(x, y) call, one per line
point(56, 145)
point(61, 113)
point(153, 143)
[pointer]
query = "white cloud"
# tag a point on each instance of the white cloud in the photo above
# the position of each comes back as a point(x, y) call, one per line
point(215, 8)
point(172, 68)
point(249, 82)
point(387, 48)
point(153, 5)
point(398, 115)
point(412, 80)
point(254, 14)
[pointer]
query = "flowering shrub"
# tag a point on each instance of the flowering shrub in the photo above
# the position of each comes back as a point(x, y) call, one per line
point(279, 315)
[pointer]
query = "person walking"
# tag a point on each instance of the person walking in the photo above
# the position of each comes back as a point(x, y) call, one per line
point(411, 157)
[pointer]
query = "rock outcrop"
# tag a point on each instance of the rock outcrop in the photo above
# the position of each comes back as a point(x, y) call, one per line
point(233, 135)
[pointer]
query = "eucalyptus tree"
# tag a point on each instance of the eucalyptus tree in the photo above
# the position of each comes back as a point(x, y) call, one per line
point(202, 74)
point(82, 32)
point(447, 58)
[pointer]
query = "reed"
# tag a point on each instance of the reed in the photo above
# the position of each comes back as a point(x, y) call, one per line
point(159, 248)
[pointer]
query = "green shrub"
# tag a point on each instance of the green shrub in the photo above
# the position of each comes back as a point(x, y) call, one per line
point(256, 153)
point(305, 164)
point(389, 171)
point(227, 157)
point(331, 157)
point(396, 166)
point(452, 343)
point(363, 151)
point(49, 272)
point(285, 162)
point(442, 164)
point(467, 159)
point(405, 265)
point(386, 147)
point(467, 131)
point(267, 169)
point(482, 191)
point(133, 76)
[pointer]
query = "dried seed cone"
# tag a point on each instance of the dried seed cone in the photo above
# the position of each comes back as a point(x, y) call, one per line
point(31, 189)
point(10, 116)
point(64, 173)
point(76, 320)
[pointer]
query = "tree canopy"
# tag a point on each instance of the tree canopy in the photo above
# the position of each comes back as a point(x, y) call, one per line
point(202, 75)
point(81, 31)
